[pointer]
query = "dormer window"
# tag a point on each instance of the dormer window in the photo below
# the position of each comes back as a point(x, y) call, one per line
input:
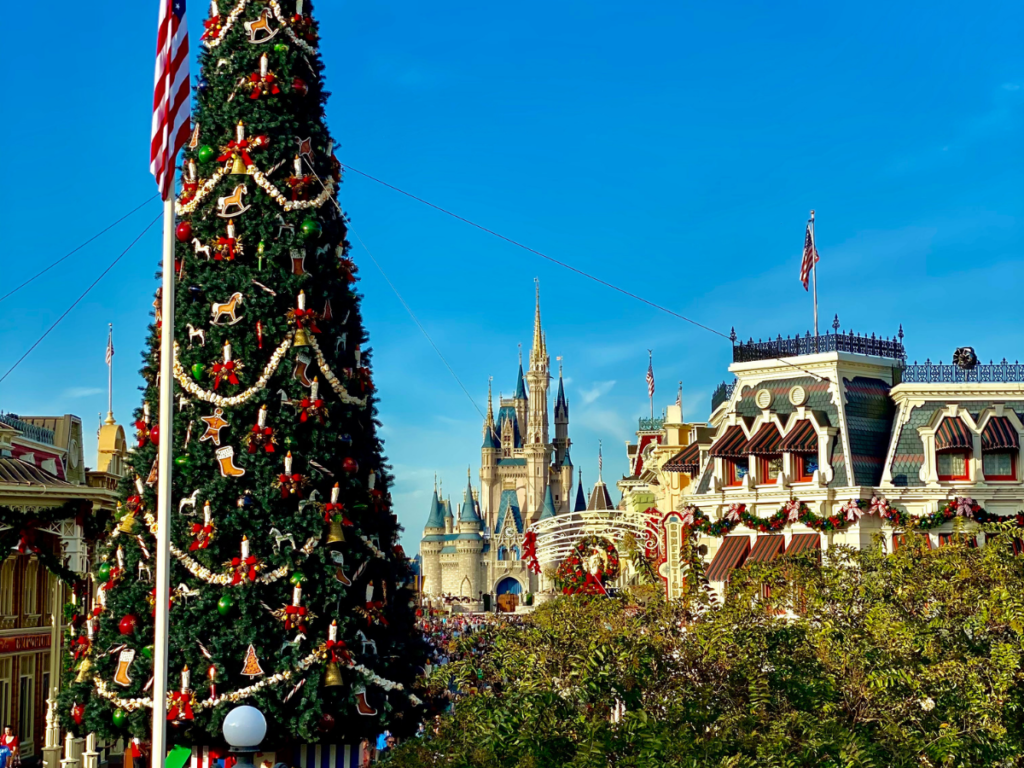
point(735, 471)
point(766, 445)
point(1000, 445)
point(731, 448)
point(802, 444)
point(804, 467)
point(953, 445)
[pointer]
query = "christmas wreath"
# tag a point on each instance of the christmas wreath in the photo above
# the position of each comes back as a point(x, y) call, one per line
point(591, 563)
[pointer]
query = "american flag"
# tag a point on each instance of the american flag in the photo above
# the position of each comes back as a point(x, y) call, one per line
point(110, 345)
point(810, 256)
point(171, 95)
point(650, 375)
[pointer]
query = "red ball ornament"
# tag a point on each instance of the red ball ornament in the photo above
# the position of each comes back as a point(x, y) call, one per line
point(78, 713)
point(154, 434)
point(183, 231)
point(327, 722)
point(350, 465)
point(127, 624)
point(299, 85)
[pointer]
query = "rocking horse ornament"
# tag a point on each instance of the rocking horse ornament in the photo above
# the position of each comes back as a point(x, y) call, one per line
point(231, 205)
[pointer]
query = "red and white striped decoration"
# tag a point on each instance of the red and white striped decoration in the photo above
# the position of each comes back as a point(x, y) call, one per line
point(171, 95)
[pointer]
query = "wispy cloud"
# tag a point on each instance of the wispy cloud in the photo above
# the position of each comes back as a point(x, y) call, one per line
point(600, 388)
point(80, 392)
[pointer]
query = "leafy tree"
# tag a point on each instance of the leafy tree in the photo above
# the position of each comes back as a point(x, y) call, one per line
point(866, 659)
point(274, 428)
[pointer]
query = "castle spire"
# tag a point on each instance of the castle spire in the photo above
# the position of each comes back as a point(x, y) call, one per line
point(539, 352)
point(490, 402)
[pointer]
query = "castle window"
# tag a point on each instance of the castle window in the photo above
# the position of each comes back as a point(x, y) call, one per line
point(515, 553)
point(503, 552)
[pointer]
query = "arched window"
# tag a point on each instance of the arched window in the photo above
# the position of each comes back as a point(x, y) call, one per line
point(503, 552)
point(515, 553)
point(953, 444)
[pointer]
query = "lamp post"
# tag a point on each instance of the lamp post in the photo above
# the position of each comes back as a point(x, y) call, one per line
point(244, 729)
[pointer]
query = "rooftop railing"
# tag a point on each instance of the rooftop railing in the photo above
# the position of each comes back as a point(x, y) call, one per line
point(721, 394)
point(31, 431)
point(651, 425)
point(877, 346)
point(936, 373)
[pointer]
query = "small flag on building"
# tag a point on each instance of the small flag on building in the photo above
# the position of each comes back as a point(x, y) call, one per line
point(110, 345)
point(810, 256)
point(650, 374)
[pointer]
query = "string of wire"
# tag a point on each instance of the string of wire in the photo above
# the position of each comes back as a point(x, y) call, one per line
point(76, 250)
point(399, 295)
point(84, 294)
point(563, 264)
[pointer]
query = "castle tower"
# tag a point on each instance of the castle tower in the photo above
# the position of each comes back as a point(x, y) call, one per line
point(562, 443)
point(520, 399)
point(537, 449)
point(431, 545)
point(469, 544)
point(581, 496)
point(489, 453)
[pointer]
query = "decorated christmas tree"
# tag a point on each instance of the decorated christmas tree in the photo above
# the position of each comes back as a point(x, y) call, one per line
point(290, 592)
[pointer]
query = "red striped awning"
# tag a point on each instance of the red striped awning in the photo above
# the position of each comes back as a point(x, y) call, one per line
point(731, 445)
point(801, 438)
point(953, 434)
point(804, 542)
point(687, 460)
point(999, 435)
point(898, 539)
point(766, 441)
point(767, 548)
point(730, 555)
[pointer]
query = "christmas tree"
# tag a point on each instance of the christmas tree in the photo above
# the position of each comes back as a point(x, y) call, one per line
point(292, 594)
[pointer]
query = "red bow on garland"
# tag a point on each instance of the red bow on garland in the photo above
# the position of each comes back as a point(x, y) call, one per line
point(261, 438)
point(291, 485)
point(331, 509)
point(263, 85)
point(134, 503)
point(238, 148)
point(181, 706)
point(229, 243)
point(246, 569)
point(142, 432)
point(295, 616)
point(212, 28)
point(115, 576)
point(81, 644)
point(224, 369)
point(338, 651)
point(304, 317)
point(203, 534)
point(314, 407)
point(300, 186)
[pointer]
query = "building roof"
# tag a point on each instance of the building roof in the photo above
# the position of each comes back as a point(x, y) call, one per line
point(549, 505)
point(435, 518)
point(581, 497)
point(600, 498)
point(491, 438)
point(447, 506)
point(509, 504)
point(468, 512)
point(17, 472)
point(687, 460)
point(507, 413)
point(566, 461)
point(520, 462)
point(520, 385)
point(561, 404)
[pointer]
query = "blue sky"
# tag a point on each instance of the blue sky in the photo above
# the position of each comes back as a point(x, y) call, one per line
point(673, 148)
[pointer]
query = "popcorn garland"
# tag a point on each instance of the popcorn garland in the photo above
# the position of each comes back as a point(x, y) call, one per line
point(276, 7)
point(189, 385)
point(336, 385)
point(274, 680)
point(264, 183)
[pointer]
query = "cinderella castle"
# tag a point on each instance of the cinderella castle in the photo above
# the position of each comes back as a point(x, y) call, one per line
point(474, 547)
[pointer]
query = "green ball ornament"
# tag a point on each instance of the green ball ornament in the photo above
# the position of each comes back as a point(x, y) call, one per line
point(296, 579)
point(281, 47)
point(310, 229)
point(103, 572)
point(148, 651)
point(119, 718)
point(197, 371)
point(181, 461)
point(206, 153)
point(225, 605)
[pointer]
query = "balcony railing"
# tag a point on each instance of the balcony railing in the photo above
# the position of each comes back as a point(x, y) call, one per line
point(993, 373)
point(31, 431)
point(878, 346)
point(721, 394)
point(651, 425)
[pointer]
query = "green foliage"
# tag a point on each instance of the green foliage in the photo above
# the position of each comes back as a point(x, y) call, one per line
point(868, 659)
point(323, 450)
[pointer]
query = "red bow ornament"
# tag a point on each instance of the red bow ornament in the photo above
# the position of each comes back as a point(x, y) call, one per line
point(295, 617)
point(225, 370)
point(180, 706)
point(82, 645)
point(203, 536)
point(260, 438)
point(262, 85)
point(213, 28)
point(244, 569)
point(142, 432)
point(331, 509)
point(291, 485)
point(338, 651)
point(309, 408)
point(225, 249)
point(305, 318)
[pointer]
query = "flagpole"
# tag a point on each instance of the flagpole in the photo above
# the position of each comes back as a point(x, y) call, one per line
point(163, 513)
point(650, 367)
point(814, 274)
point(110, 373)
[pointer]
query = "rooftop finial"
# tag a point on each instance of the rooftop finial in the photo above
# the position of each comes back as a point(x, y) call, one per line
point(520, 354)
point(600, 462)
point(490, 403)
point(435, 482)
point(559, 359)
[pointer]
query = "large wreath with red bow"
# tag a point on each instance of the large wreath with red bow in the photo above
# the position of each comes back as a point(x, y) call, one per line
point(592, 562)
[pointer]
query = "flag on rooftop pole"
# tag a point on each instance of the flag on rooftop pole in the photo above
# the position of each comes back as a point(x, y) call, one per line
point(650, 379)
point(110, 344)
point(172, 104)
point(808, 266)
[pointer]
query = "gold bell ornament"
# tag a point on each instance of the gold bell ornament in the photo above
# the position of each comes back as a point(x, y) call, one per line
point(335, 533)
point(332, 675)
point(238, 166)
point(84, 670)
point(127, 524)
point(301, 338)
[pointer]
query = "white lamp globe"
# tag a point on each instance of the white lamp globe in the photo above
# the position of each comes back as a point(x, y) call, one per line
point(244, 726)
